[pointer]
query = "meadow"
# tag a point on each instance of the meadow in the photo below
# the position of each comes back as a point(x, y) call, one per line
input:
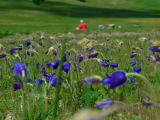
point(49, 70)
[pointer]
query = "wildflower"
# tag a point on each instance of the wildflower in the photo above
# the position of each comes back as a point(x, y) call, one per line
point(80, 57)
point(114, 65)
point(38, 64)
point(133, 63)
point(93, 52)
point(132, 79)
point(12, 41)
point(137, 69)
point(76, 68)
point(133, 55)
point(48, 64)
point(16, 86)
point(56, 64)
point(93, 55)
point(40, 43)
point(68, 52)
point(44, 71)
point(17, 69)
point(28, 43)
point(55, 53)
point(104, 103)
point(66, 67)
point(20, 47)
point(48, 76)
point(53, 82)
point(107, 60)
point(92, 80)
point(149, 104)
point(89, 49)
point(107, 49)
point(2, 55)
point(12, 50)
point(42, 37)
point(39, 81)
point(102, 63)
point(155, 49)
point(115, 79)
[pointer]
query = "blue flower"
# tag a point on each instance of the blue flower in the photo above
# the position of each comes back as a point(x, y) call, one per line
point(38, 64)
point(48, 64)
point(132, 79)
point(68, 52)
point(155, 49)
point(137, 69)
point(44, 71)
point(16, 86)
point(2, 55)
point(93, 55)
point(133, 55)
point(40, 43)
point(39, 81)
point(17, 69)
point(12, 50)
point(115, 79)
point(133, 62)
point(55, 53)
point(66, 67)
point(107, 49)
point(56, 64)
point(104, 103)
point(28, 43)
point(54, 81)
point(20, 47)
point(114, 65)
point(102, 63)
point(89, 49)
point(80, 57)
point(107, 60)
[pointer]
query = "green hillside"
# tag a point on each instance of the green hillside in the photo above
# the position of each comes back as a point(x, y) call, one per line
point(65, 14)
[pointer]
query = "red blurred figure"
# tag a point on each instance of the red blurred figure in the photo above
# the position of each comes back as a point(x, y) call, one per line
point(82, 26)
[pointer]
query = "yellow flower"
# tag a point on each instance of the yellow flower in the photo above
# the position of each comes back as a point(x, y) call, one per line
point(125, 54)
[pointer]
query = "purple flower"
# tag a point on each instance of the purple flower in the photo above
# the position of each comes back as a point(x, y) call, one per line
point(114, 65)
point(28, 43)
point(39, 81)
point(132, 79)
point(38, 64)
point(44, 71)
point(20, 47)
point(66, 67)
point(133, 55)
point(55, 53)
point(102, 63)
point(104, 103)
point(107, 60)
point(76, 68)
point(80, 57)
point(47, 52)
point(12, 50)
point(48, 64)
point(2, 55)
point(68, 52)
point(133, 62)
point(16, 86)
point(17, 69)
point(155, 49)
point(107, 49)
point(56, 64)
point(115, 79)
point(40, 43)
point(137, 69)
point(89, 49)
point(93, 55)
point(54, 81)
point(48, 76)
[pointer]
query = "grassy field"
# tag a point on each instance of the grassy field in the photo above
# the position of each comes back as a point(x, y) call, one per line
point(59, 18)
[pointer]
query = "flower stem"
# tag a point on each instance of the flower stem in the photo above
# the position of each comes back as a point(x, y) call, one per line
point(58, 83)
point(145, 79)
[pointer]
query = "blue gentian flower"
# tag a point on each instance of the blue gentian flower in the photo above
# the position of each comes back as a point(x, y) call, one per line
point(55, 53)
point(66, 67)
point(53, 82)
point(12, 50)
point(132, 79)
point(48, 64)
point(133, 55)
point(39, 81)
point(133, 62)
point(107, 60)
point(48, 76)
point(115, 79)
point(114, 65)
point(93, 55)
point(44, 71)
point(102, 63)
point(17, 69)
point(40, 43)
point(16, 86)
point(32, 46)
point(2, 55)
point(104, 103)
point(28, 43)
point(56, 64)
point(137, 69)
point(107, 49)
point(155, 49)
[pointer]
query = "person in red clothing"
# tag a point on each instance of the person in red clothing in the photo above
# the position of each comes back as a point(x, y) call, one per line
point(82, 25)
